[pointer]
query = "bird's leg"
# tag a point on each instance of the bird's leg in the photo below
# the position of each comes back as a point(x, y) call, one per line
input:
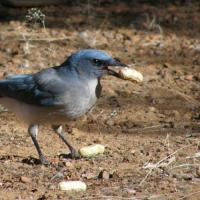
point(33, 131)
point(59, 131)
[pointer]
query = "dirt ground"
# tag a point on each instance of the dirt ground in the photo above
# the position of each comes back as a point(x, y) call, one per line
point(151, 130)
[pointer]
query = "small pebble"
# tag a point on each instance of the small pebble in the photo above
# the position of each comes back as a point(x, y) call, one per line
point(58, 175)
point(188, 135)
point(89, 175)
point(198, 172)
point(110, 122)
point(130, 191)
point(24, 66)
point(69, 165)
point(25, 179)
point(196, 155)
point(152, 109)
point(133, 151)
point(189, 77)
point(52, 187)
point(104, 175)
point(186, 177)
point(158, 197)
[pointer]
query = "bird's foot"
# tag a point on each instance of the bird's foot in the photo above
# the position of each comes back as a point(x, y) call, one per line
point(44, 161)
point(74, 154)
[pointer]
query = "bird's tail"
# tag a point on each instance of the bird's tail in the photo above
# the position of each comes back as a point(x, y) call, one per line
point(3, 88)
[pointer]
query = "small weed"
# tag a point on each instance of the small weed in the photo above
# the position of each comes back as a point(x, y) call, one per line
point(35, 16)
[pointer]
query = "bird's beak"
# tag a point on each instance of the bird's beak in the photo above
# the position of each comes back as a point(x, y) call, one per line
point(112, 65)
point(116, 63)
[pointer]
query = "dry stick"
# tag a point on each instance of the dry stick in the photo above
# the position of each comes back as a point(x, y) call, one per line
point(166, 141)
point(11, 33)
point(184, 165)
point(120, 198)
point(40, 39)
point(189, 195)
point(148, 127)
point(110, 197)
point(28, 36)
point(187, 98)
point(159, 162)
point(175, 90)
point(159, 126)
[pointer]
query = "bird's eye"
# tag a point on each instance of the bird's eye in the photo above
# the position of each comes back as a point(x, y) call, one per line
point(97, 62)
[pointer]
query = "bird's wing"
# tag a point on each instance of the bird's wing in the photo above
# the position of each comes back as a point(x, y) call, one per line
point(45, 88)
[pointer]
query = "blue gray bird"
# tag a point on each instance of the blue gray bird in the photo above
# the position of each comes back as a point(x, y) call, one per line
point(58, 94)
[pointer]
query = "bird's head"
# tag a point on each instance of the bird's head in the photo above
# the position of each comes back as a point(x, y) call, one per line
point(94, 63)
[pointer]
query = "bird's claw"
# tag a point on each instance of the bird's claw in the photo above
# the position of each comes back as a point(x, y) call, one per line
point(44, 161)
point(74, 154)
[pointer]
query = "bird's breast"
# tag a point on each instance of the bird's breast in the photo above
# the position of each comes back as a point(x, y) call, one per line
point(92, 87)
point(82, 98)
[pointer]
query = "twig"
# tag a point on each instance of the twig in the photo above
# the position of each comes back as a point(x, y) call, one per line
point(148, 127)
point(40, 39)
point(147, 175)
point(159, 162)
point(187, 98)
point(184, 165)
point(11, 33)
point(189, 195)
point(109, 197)
point(163, 126)
point(166, 141)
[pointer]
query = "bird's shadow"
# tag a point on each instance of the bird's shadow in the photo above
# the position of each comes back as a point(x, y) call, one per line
point(68, 156)
point(29, 160)
point(33, 161)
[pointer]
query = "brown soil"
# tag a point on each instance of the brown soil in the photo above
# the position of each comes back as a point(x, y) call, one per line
point(151, 131)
